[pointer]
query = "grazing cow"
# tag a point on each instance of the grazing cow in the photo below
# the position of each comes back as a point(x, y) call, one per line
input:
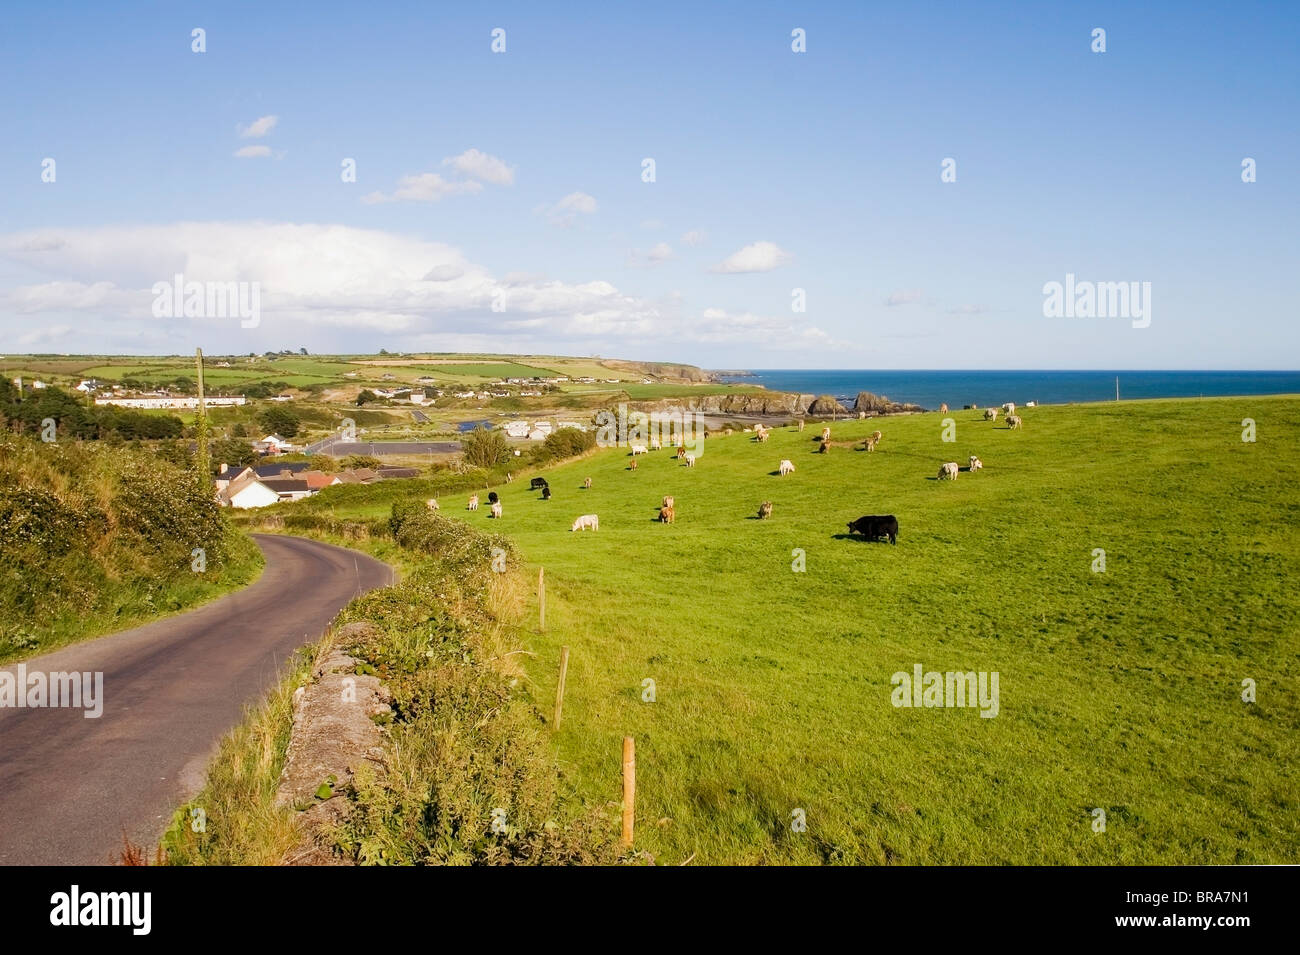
point(975, 463)
point(535, 483)
point(762, 436)
point(786, 467)
point(669, 501)
point(826, 434)
point(473, 503)
point(681, 452)
point(1013, 421)
point(492, 497)
point(765, 510)
point(943, 408)
point(632, 466)
point(876, 526)
point(871, 444)
point(431, 504)
point(587, 483)
point(639, 449)
point(690, 460)
point(1031, 404)
point(876, 436)
point(825, 447)
point(546, 494)
point(586, 521)
point(949, 471)
point(990, 414)
point(667, 515)
point(1009, 407)
point(496, 509)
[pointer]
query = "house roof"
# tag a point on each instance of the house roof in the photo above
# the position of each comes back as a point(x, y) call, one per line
point(244, 481)
point(399, 472)
point(317, 479)
point(273, 470)
point(358, 476)
point(285, 485)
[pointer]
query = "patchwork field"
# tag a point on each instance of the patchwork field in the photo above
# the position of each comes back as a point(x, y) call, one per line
point(1119, 690)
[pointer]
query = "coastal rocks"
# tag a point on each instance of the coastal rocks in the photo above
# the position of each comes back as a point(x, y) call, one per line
point(826, 405)
point(873, 404)
point(747, 405)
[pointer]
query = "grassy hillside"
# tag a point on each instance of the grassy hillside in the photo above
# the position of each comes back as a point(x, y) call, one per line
point(96, 538)
point(1118, 690)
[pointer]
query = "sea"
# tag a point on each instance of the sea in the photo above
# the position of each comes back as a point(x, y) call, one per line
point(929, 389)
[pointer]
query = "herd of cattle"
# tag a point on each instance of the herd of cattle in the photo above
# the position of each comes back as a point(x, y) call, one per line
point(870, 527)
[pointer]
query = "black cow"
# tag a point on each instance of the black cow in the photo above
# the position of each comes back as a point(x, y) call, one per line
point(536, 483)
point(875, 526)
point(492, 497)
point(546, 494)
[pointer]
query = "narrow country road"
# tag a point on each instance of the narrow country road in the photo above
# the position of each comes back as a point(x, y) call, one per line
point(71, 786)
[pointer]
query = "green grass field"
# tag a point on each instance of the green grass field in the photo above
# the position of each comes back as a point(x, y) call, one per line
point(1119, 690)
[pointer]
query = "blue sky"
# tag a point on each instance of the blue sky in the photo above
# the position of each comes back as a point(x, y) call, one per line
point(516, 178)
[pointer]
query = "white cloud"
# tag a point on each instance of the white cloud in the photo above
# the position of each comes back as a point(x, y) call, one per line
point(258, 128)
point(424, 187)
point(479, 165)
point(720, 325)
point(430, 186)
point(253, 152)
point(566, 211)
point(444, 273)
point(905, 296)
point(756, 257)
point(661, 252)
point(693, 238)
point(318, 281)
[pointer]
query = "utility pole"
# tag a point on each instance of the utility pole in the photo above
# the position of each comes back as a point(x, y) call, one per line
point(201, 432)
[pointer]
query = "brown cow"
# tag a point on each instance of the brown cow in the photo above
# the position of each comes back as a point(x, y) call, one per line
point(667, 515)
point(765, 510)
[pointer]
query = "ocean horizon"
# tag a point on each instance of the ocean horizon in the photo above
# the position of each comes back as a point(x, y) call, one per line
point(930, 388)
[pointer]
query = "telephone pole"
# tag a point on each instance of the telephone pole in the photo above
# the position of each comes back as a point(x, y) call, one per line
point(201, 432)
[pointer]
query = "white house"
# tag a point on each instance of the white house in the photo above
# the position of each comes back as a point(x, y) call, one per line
point(172, 401)
point(536, 435)
point(246, 492)
point(273, 442)
point(544, 427)
point(517, 429)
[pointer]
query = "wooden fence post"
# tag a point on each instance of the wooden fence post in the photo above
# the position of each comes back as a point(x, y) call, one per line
point(541, 598)
point(629, 789)
point(559, 690)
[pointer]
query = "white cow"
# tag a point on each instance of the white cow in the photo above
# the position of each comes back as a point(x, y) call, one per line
point(1013, 421)
point(949, 471)
point(1009, 407)
point(639, 449)
point(473, 503)
point(1031, 404)
point(496, 508)
point(690, 460)
point(975, 463)
point(787, 467)
point(431, 504)
point(586, 521)
point(990, 414)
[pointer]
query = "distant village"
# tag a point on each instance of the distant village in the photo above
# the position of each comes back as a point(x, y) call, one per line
point(272, 483)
